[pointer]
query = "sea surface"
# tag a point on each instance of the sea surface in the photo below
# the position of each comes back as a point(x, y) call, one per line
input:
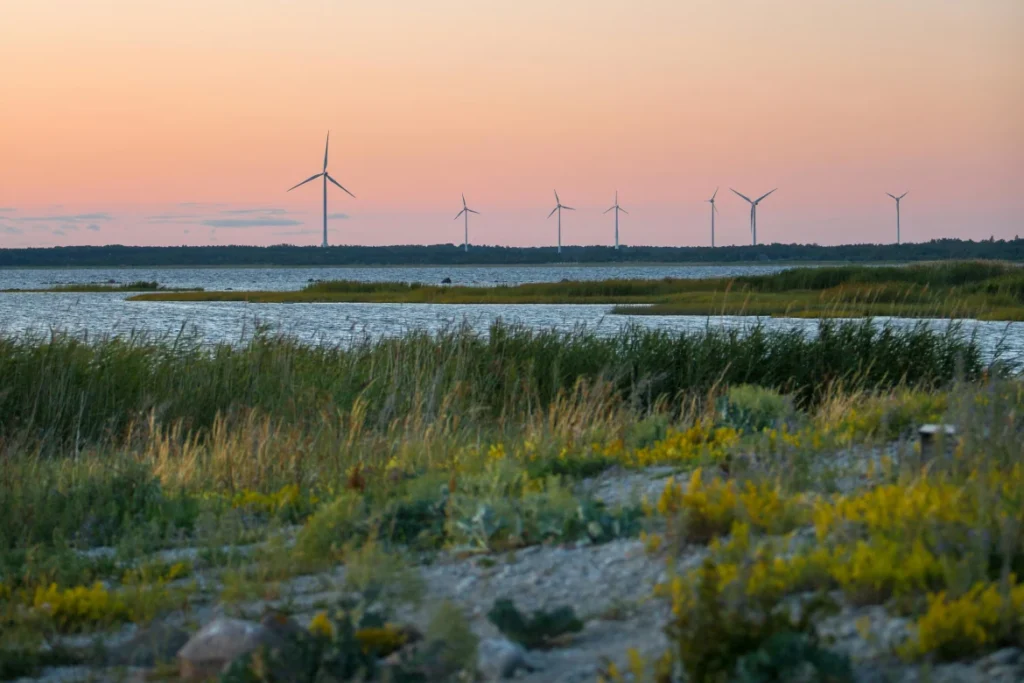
point(99, 314)
point(283, 279)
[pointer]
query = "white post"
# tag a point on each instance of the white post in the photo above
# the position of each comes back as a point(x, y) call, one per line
point(897, 221)
point(559, 229)
point(325, 210)
point(712, 225)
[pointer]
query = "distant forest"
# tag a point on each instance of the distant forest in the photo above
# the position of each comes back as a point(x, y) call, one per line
point(453, 255)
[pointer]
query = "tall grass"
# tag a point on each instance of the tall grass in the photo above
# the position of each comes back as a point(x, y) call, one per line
point(62, 390)
point(968, 289)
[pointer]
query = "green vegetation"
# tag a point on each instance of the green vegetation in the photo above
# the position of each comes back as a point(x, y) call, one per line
point(975, 289)
point(793, 476)
point(450, 254)
point(538, 630)
point(137, 286)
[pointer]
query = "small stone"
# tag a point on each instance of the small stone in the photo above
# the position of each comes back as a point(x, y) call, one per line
point(148, 647)
point(999, 674)
point(1003, 657)
point(498, 659)
point(219, 643)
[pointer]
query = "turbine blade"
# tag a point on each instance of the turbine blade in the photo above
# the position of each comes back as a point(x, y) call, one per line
point(557, 200)
point(463, 199)
point(742, 195)
point(714, 195)
point(904, 194)
point(611, 209)
point(568, 208)
point(623, 211)
point(325, 149)
point(552, 212)
point(339, 185)
point(714, 208)
point(314, 177)
point(763, 196)
point(472, 211)
point(459, 214)
point(891, 195)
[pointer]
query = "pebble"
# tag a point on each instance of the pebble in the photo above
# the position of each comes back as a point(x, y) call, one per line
point(498, 659)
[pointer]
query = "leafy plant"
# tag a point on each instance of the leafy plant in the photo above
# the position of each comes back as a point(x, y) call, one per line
point(750, 408)
point(539, 630)
point(713, 629)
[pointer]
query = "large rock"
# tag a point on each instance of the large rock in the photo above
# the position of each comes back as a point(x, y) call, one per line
point(219, 643)
point(498, 658)
point(149, 646)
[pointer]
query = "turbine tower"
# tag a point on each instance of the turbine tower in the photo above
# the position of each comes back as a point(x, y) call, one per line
point(616, 208)
point(753, 212)
point(558, 207)
point(326, 177)
point(465, 212)
point(897, 213)
point(714, 210)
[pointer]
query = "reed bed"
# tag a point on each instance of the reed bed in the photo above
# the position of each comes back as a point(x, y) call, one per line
point(62, 390)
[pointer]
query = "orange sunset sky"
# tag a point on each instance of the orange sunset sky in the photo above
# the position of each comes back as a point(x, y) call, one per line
point(162, 122)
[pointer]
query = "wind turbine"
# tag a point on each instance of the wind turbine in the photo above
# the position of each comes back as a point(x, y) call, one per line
point(753, 212)
point(898, 213)
point(326, 177)
point(616, 208)
point(465, 212)
point(714, 209)
point(558, 207)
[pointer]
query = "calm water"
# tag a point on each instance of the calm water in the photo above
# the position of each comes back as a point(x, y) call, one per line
point(296, 278)
point(233, 322)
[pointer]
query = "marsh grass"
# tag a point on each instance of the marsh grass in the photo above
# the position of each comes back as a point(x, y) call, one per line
point(67, 392)
point(968, 289)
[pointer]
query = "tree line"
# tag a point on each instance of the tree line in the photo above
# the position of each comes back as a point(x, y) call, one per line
point(453, 255)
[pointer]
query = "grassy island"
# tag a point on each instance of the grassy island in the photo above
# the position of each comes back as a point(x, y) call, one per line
point(983, 290)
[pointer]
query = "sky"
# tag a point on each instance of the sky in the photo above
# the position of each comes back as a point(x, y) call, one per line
point(172, 122)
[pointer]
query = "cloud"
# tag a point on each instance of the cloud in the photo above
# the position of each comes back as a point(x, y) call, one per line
point(186, 231)
point(10, 230)
point(59, 233)
point(339, 216)
point(250, 222)
point(265, 212)
point(93, 227)
point(70, 218)
point(174, 218)
point(196, 205)
point(7, 209)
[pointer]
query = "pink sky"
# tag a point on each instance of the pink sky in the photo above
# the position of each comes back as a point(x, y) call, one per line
point(155, 122)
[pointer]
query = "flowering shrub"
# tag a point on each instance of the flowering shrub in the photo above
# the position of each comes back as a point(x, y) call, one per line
point(73, 609)
point(288, 502)
point(702, 442)
point(989, 615)
point(705, 510)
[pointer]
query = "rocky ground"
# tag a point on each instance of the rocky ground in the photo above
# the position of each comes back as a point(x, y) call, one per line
point(610, 586)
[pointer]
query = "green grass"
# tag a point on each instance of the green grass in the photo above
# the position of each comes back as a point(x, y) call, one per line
point(63, 390)
point(137, 286)
point(975, 289)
